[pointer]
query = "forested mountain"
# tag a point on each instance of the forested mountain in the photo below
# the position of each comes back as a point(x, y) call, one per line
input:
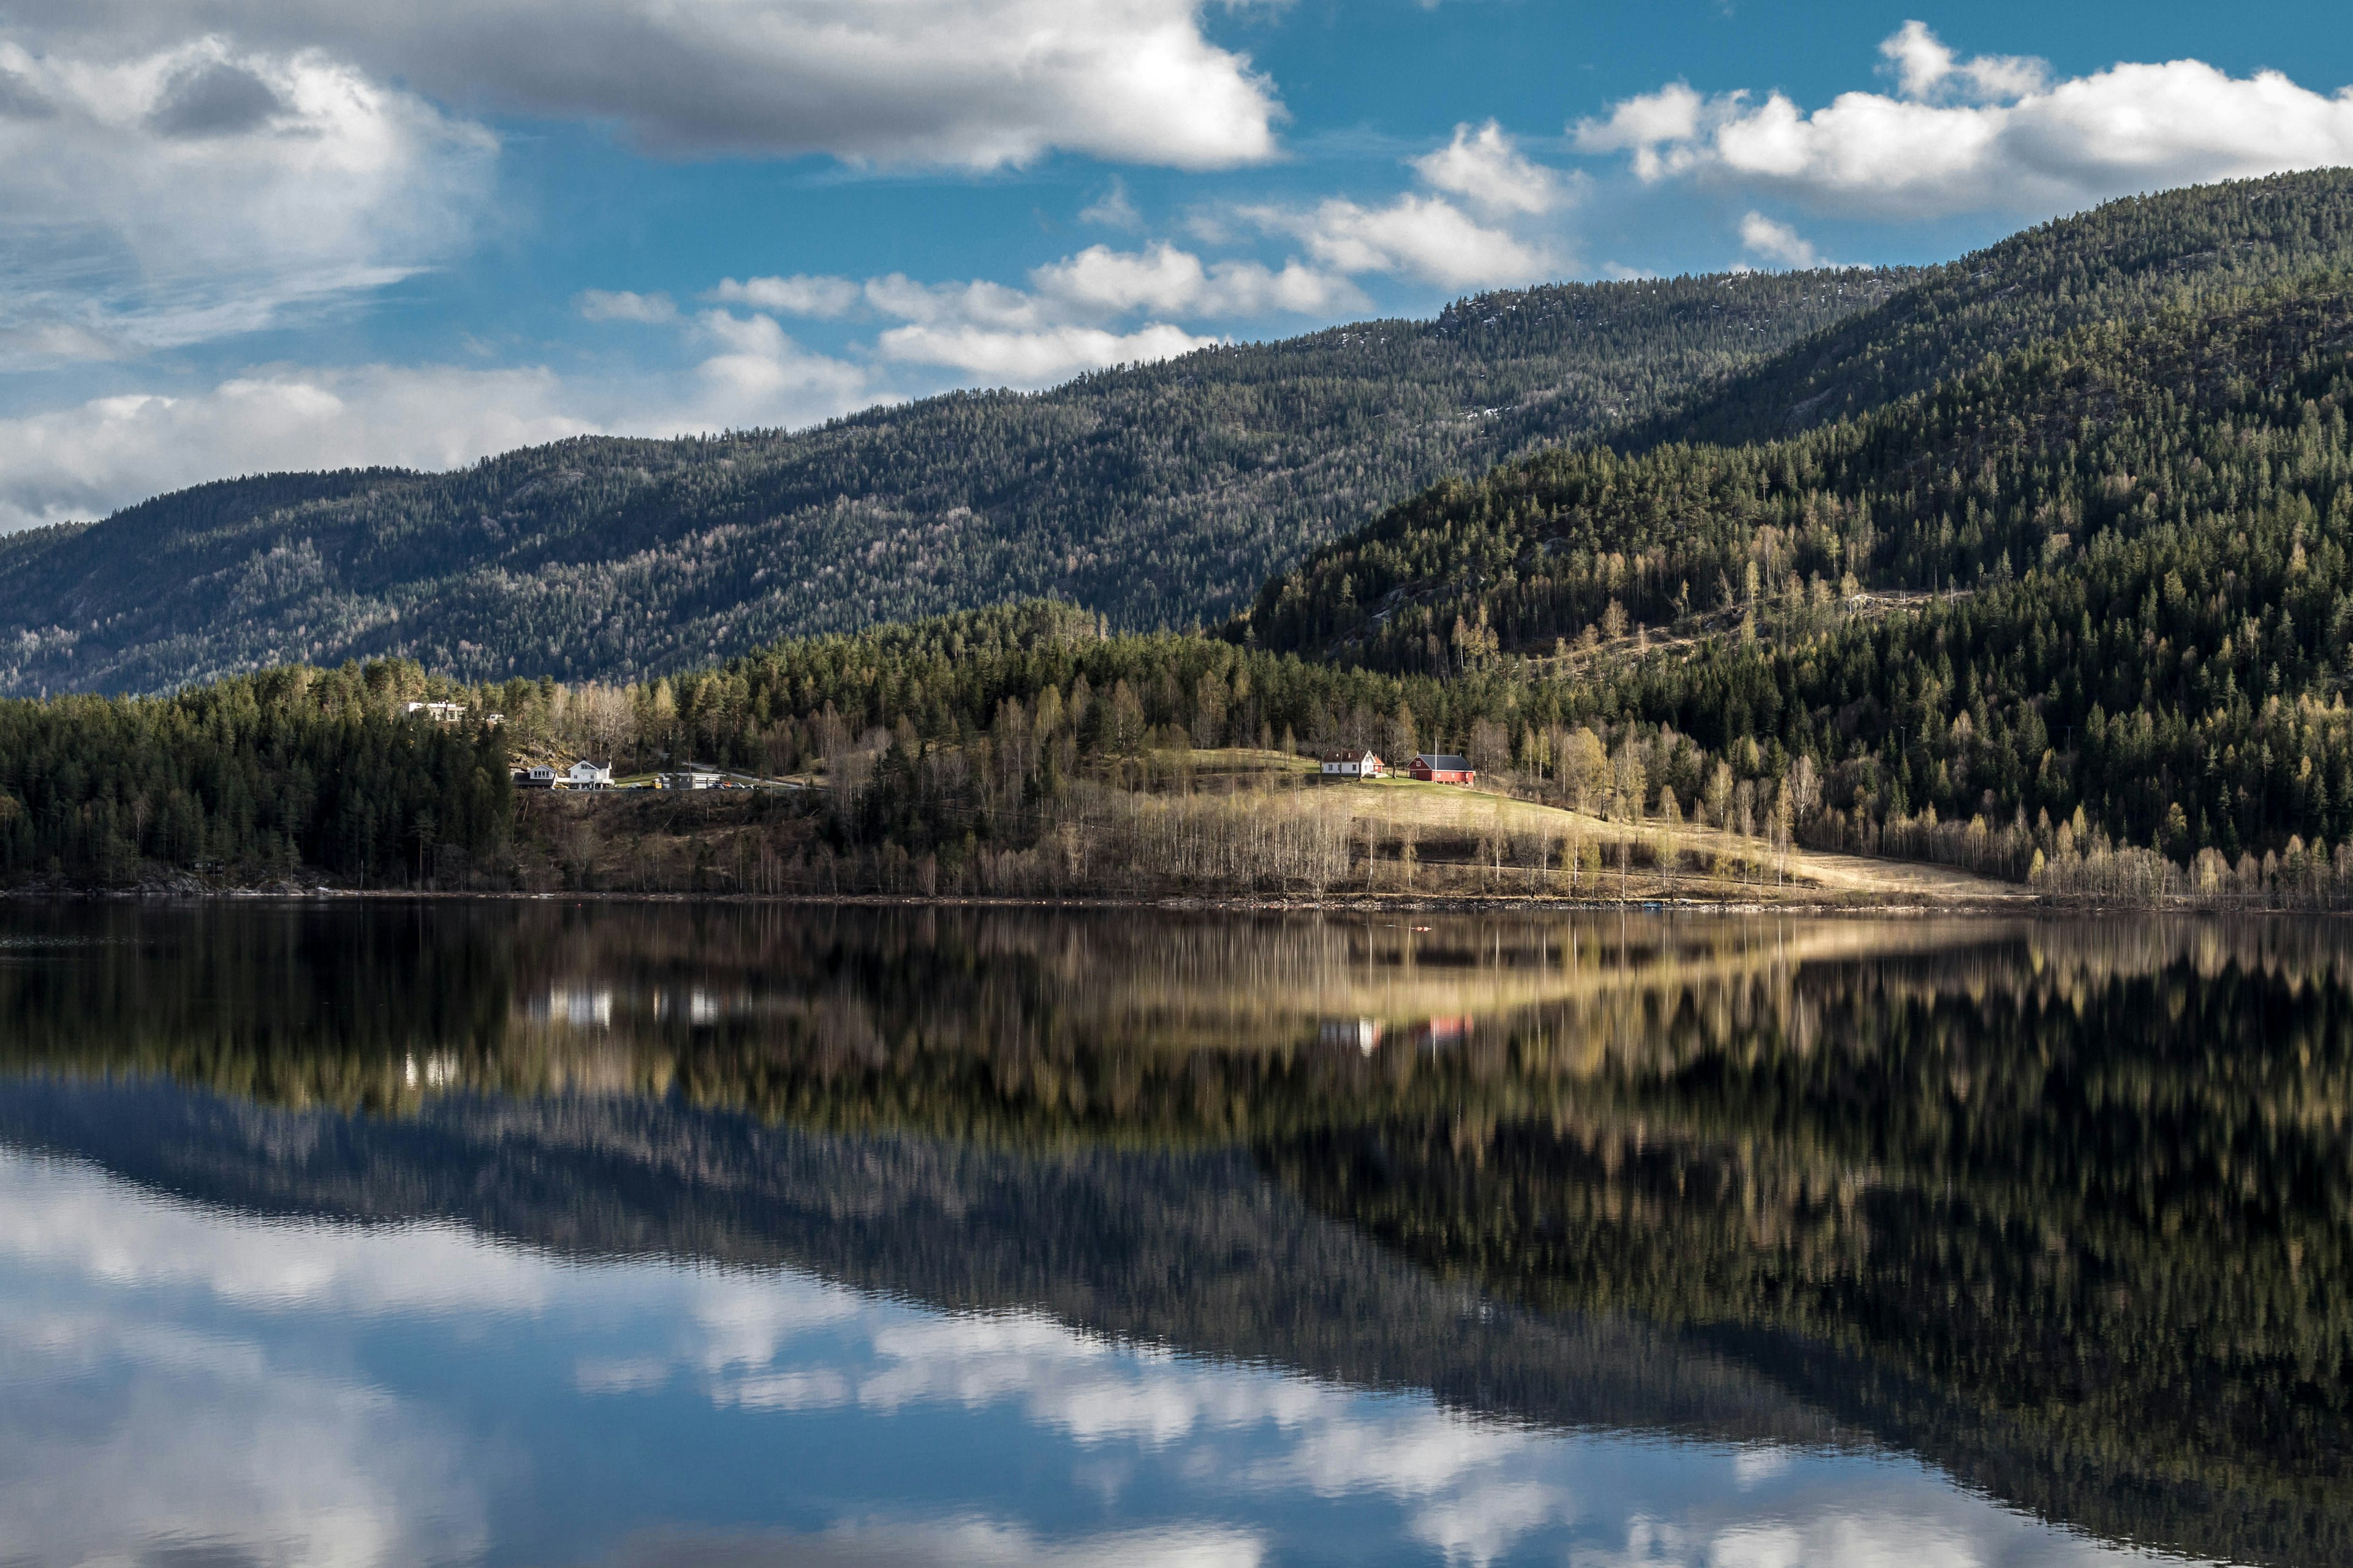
point(2113, 263)
point(1156, 495)
point(2147, 521)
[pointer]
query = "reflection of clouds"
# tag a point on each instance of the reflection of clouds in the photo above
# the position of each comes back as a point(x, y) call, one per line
point(1478, 1523)
point(1914, 1525)
point(74, 1220)
point(1454, 1474)
point(965, 1543)
point(1410, 1454)
point(1836, 1540)
point(121, 1441)
point(225, 1440)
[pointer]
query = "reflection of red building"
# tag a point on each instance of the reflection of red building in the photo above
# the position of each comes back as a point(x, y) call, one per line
point(1437, 1033)
point(1443, 769)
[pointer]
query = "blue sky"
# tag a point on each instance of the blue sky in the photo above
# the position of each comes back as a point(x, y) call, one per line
point(250, 234)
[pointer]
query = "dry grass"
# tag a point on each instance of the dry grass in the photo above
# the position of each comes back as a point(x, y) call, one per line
point(1441, 811)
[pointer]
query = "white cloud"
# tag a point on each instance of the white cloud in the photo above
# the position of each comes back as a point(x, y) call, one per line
point(649, 310)
point(153, 199)
point(1925, 67)
point(1988, 134)
point(88, 459)
point(1484, 167)
point(1777, 242)
point(977, 303)
point(1176, 282)
point(1035, 358)
point(1430, 237)
point(971, 83)
point(1426, 237)
point(1076, 315)
point(799, 295)
point(1113, 209)
point(759, 377)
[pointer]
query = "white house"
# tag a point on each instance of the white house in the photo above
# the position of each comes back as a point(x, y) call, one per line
point(585, 774)
point(1351, 765)
point(690, 778)
point(439, 712)
point(540, 777)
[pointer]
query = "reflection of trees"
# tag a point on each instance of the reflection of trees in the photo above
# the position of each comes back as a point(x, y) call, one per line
point(2061, 1206)
point(2070, 1221)
point(1193, 1251)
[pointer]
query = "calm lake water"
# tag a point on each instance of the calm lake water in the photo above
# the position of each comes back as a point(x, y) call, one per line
point(632, 1235)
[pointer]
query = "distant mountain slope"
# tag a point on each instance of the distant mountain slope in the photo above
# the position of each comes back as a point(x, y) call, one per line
point(1156, 495)
point(2114, 261)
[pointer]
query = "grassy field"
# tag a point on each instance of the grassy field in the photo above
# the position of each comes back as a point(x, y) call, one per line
point(1444, 821)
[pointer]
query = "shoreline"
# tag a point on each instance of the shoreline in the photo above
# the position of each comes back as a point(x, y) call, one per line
point(2022, 903)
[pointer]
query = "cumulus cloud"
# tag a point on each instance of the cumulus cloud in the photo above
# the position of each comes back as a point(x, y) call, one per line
point(149, 200)
point(1427, 236)
point(1420, 236)
point(1777, 242)
point(1483, 166)
point(972, 83)
point(1036, 357)
point(1992, 134)
point(1079, 313)
point(799, 295)
point(1164, 279)
point(90, 458)
point(1925, 67)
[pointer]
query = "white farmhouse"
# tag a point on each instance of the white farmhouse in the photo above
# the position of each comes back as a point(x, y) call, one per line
point(1351, 765)
point(585, 774)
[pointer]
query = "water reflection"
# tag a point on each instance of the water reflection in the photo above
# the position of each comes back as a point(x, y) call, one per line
point(875, 1236)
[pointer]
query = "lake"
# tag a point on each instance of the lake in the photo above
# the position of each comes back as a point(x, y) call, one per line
point(621, 1235)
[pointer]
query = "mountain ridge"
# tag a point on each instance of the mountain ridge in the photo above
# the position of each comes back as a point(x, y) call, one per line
point(1156, 495)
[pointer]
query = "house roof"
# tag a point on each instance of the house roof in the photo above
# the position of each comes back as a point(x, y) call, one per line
point(1443, 765)
point(1355, 756)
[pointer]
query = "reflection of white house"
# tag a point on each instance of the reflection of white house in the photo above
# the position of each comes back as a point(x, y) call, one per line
point(585, 774)
point(1351, 765)
point(582, 1006)
point(1364, 1033)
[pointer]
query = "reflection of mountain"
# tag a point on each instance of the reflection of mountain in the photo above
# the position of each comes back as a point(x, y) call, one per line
point(1191, 1251)
point(2081, 1234)
point(2062, 1207)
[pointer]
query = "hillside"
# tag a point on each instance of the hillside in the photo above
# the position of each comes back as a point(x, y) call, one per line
point(1156, 495)
point(2116, 263)
point(2149, 517)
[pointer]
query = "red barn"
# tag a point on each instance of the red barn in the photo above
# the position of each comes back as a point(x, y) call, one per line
point(1444, 770)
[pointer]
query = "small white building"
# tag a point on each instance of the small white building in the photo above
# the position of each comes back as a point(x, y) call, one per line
point(540, 777)
point(1351, 765)
point(439, 712)
point(687, 778)
point(585, 774)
